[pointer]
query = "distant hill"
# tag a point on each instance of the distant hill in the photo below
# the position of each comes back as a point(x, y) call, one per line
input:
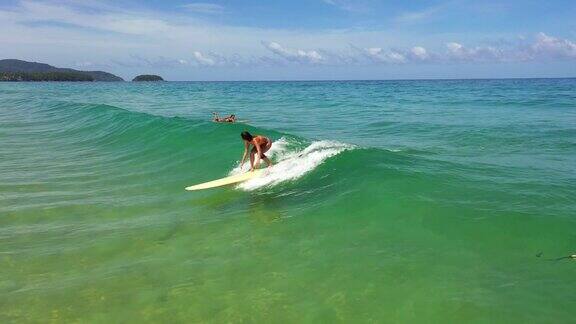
point(148, 77)
point(18, 70)
point(45, 76)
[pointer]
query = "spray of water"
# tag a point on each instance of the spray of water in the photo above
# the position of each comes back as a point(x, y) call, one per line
point(291, 163)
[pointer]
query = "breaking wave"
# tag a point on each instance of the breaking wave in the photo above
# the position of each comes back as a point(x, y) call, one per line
point(290, 162)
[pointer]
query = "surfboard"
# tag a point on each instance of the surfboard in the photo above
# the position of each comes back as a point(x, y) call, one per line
point(227, 181)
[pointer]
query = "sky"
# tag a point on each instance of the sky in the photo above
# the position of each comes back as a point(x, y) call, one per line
point(296, 39)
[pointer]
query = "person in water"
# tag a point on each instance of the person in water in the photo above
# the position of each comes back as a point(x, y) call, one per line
point(261, 145)
point(218, 119)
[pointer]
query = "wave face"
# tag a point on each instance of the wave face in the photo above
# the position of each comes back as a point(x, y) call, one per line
point(388, 191)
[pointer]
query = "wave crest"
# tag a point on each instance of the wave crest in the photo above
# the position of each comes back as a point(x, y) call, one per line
point(291, 163)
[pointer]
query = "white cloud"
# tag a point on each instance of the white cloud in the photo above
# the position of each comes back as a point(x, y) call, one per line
point(203, 59)
point(540, 48)
point(548, 46)
point(415, 54)
point(459, 52)
point(204, 8)
point(379, 55)
point(418, 16)
point(50, 26)
point(214, 59)
point(297, 55)
point(456, 50)
point(543, 47)
point(154, 62)
point(419, 53)
point(114, 21)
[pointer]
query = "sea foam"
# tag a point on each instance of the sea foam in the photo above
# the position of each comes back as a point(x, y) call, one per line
point(291, 164)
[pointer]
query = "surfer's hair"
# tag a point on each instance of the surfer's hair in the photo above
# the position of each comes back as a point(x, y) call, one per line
point(246, 136)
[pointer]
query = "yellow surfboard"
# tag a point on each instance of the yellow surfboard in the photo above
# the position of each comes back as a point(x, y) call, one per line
point(227, 181)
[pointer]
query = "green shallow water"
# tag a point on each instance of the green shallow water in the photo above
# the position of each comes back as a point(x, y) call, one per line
point(395, 201)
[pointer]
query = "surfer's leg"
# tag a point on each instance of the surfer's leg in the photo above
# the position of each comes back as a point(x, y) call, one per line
point(264, 157)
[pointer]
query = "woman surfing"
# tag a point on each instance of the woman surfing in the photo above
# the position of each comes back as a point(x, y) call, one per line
point(261, 145)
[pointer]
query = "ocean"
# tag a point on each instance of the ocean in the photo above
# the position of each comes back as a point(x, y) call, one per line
point(426, 201)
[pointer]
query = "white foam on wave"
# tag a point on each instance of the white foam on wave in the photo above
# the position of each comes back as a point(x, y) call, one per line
point(290, 163)
point(277, 152)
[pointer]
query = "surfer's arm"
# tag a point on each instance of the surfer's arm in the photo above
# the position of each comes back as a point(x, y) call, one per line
point(246, 146)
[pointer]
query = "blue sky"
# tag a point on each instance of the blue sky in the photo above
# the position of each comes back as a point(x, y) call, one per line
point(297, 39)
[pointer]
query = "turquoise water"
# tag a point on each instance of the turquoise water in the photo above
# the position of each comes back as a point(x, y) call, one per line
point(390, 201)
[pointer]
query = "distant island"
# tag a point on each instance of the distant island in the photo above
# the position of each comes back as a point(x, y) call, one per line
point(18, 70)
point(147, 77)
